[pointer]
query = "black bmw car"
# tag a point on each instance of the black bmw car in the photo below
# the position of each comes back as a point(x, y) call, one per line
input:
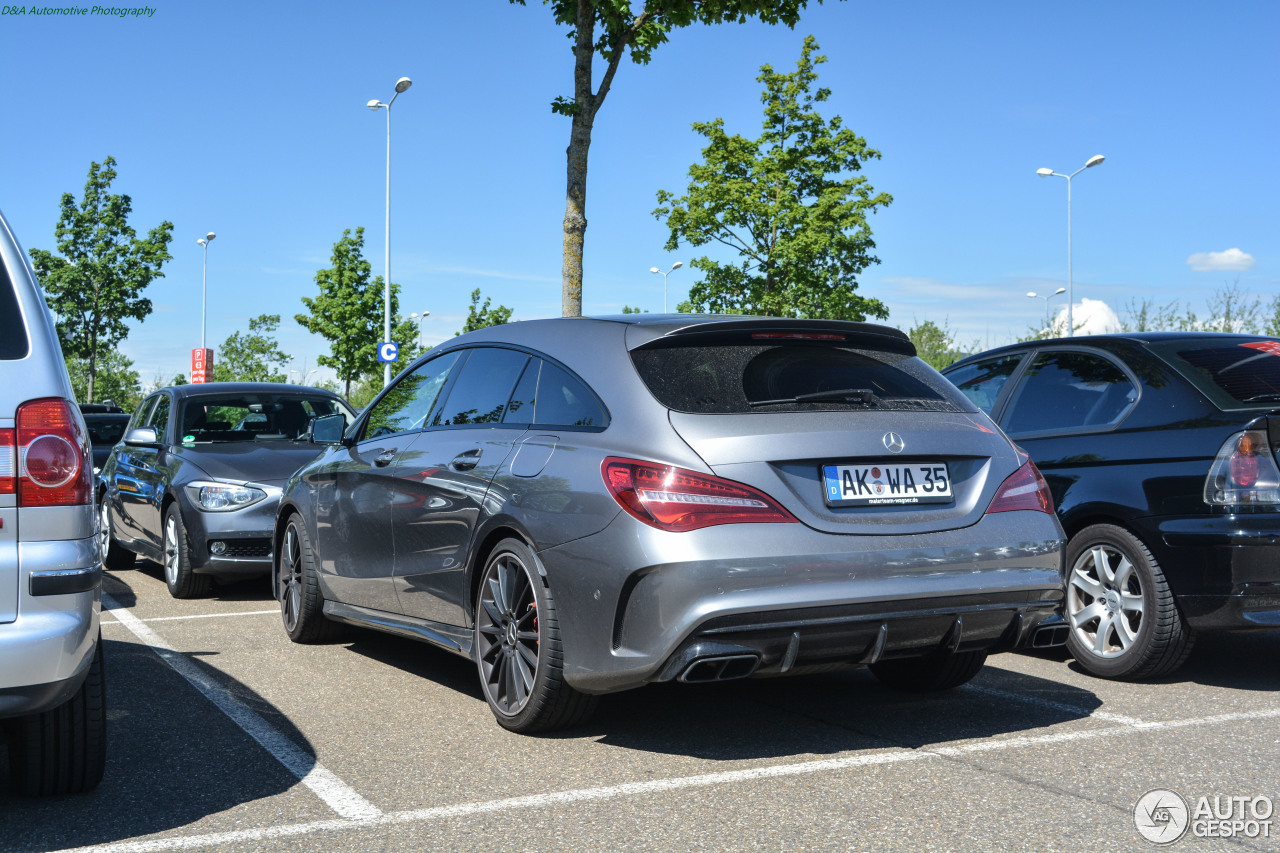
point(1160, 450)
point(195, 481)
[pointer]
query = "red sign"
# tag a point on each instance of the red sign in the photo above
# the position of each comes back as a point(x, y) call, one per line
point(202, 365)
point(1264, 346)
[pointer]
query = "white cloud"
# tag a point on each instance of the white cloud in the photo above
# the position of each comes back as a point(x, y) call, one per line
point(1231, 259)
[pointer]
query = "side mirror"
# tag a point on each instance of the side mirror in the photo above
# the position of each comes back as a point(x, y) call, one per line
point(328, 429)
point(142, 437)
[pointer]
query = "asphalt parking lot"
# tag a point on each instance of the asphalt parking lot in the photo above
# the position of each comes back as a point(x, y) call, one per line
point(225, 736)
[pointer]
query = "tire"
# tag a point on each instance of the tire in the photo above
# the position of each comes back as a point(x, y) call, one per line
point(176, 558)
point(298, 590)
point(1124, 622)
point(115, 557)
point(518, 651)
point(62, 750)
point(929, 674)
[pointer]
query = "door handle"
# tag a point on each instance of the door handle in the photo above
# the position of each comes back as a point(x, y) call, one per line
point(466, 461)
point(384, 458)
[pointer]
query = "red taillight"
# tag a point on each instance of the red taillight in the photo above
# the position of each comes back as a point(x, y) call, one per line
point(678, 500)
point(1244, 472)
point(8, 463)
point(1023, 489)
point(52, 454)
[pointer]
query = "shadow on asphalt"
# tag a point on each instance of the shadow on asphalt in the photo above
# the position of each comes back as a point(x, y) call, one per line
point(257, 588)
point(172, 758)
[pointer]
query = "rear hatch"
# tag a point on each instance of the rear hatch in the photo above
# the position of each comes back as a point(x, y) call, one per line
point(14, 346)
point(838, 422)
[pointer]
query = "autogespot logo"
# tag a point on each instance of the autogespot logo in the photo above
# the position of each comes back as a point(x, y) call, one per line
point(1161, 816)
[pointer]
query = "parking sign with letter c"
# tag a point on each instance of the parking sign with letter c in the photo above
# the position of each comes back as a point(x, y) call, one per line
point(388, 352)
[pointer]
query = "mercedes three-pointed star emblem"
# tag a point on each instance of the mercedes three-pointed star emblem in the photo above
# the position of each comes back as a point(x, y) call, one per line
point(894, 442)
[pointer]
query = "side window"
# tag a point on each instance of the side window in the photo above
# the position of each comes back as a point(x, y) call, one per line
point(1069, 390)
point(520, 409)
point(483, 388)
point(140, 416)
point(409, 403)
point(564, 401)
point(160, 417)
point(982, 381)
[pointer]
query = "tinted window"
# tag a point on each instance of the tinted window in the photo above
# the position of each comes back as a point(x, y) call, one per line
point(140, 416)
point(105, 430)
point(726, 378)
point(483, 388)
point(1233, 375)
point(410, 401)
point(1068, 390)
point(563, 400)
point(13, 334)
point(982, 381)
point(160, 417)
point(520, 409)
point(254, 417)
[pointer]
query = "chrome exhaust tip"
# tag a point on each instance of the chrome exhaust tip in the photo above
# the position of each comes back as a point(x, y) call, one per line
point(720, 668)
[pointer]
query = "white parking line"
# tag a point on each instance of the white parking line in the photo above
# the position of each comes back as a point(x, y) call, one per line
point(328, 787)
point(272, 612)
point(657, 786)
point(1057, 706)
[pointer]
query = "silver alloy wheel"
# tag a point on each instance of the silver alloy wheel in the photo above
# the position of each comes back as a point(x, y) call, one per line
point(289, 581)
point(508, 634)
point(104, 528)
point(171, 555)
point(1105, 601)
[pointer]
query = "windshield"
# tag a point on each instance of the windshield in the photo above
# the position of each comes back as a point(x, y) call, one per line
point(1235, 373)
point(255, 417)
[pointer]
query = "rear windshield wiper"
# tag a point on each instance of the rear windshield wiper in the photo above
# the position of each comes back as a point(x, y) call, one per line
point(845, 395)
point(1264, 398)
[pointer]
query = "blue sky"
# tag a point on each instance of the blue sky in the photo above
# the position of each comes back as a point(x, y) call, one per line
point(249, 119)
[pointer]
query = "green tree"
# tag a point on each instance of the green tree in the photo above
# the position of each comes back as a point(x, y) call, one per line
point(116, 379)
point(252, 356)
point(610, 28)
point(936, 345)
point(348, 312)
point(482, 316)
point(97, 282)
point(791, 203)
point(627, 309)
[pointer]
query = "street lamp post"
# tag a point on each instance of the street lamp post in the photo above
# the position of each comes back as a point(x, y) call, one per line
point(664, 275)
point(1044, 173)
point(419, 318)
point(401, 85)
point(204, 281)
point(1046, 297)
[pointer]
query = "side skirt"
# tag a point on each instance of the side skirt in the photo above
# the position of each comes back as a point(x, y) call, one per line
point(449, 637)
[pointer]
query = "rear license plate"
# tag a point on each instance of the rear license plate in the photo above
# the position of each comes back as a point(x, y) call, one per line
point(886, 484)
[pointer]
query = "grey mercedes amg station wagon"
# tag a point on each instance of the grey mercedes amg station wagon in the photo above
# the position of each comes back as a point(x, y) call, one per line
point(588, 505)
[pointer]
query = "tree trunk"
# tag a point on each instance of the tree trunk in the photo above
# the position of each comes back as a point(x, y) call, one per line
point(575, 215)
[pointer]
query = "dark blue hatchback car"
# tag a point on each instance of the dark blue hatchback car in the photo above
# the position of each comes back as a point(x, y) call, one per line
point(1160, 450)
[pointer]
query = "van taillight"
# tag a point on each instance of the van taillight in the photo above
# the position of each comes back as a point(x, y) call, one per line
point(52, 455)
point(8, 463)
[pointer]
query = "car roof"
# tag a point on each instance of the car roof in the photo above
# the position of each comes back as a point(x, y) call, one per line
point(1111, 342)
point(201, 389)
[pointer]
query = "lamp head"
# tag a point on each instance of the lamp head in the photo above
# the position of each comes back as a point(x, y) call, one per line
point(1031, 293)
point(426, 314)
point(1095, 160)
point(201, 241)
point(1060, 291)
point(375, 105)
point(1044, 173)
point(677, 265)
point(654, 269)
point(210, 236)
point(402, 84)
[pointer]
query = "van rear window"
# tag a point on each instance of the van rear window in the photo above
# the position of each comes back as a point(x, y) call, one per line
point(13, 333)
point(801, 376)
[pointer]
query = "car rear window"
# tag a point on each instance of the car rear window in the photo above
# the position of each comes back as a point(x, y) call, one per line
point(748, 375)
point(13, 334)
point(1237, 373)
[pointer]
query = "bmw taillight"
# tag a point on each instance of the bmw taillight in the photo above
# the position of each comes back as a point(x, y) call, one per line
point(678, 500)
point(1244, 472)
point(1023, 489)
point(52, 455)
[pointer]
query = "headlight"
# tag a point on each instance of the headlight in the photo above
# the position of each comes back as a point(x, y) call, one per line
point(223, 497)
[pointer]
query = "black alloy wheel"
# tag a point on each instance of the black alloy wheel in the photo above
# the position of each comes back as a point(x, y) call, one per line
point(298, 591)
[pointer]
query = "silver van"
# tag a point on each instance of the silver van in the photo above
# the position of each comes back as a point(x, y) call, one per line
point(52, 690)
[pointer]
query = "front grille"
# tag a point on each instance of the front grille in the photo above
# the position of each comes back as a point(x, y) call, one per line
point(245, 548)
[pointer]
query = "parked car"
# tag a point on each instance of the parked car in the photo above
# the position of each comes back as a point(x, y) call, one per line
point(52, 686)
point(584, 506)
point(195, 482)
point(106, 425)
point(1160, 450)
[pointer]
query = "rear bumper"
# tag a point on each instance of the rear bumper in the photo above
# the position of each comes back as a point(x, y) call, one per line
point(1223, 569)
point(636, 604)
point(45, 653)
